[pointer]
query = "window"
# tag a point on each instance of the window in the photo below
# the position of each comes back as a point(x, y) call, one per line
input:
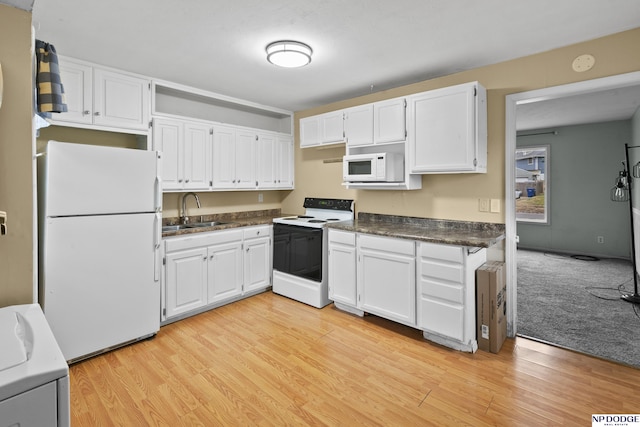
point(532, 184)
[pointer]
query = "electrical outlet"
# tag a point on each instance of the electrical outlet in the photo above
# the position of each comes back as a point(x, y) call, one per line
point(483, 205)
point(600, 239)
point(260, 198)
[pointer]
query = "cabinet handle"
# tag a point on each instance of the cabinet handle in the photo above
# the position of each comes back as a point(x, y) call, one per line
point(257, 233)
point(86, 112)
point(205, 258)
point(97, 113)
point(186, 180)
point(180, 180)
point(211, 257)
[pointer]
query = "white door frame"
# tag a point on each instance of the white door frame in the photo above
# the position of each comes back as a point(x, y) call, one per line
point(511, 102)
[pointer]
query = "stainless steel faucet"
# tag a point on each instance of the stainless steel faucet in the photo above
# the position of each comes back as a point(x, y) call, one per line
point(185, 218)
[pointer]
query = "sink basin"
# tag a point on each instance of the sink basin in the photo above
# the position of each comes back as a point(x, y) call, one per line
point(174, 227)
point(204, 224)
point(177, 227)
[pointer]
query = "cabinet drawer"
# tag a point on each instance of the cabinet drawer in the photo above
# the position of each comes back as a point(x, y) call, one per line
point(344, 237)
point(387, 244)
point(441, 270)
point(441, 318)
point(445, 291)
point(253, 232)
point(202, 239)
point(444, 252)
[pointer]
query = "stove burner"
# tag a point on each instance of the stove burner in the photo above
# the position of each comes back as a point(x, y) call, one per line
point(317, 220)
point(333, 219)
point(290, 218)
point(304, 216)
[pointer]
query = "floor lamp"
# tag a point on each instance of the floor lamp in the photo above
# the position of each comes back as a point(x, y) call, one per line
point(622, 191)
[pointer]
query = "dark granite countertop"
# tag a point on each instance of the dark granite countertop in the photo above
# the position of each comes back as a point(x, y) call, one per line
point(463, 233)
point(230, 220)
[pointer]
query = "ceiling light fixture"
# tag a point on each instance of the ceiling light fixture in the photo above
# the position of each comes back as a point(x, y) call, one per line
point(289, 54)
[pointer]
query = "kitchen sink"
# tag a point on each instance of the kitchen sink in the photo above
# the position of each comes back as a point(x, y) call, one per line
point(174, 227)
point(177, 227)
point(204, 224)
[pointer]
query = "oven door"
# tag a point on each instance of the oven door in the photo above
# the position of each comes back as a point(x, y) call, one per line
point(297, 250)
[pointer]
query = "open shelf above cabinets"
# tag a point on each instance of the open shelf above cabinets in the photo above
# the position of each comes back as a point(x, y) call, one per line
point(171, 99)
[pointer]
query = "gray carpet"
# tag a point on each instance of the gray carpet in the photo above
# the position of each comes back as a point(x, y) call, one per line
point(576, 304)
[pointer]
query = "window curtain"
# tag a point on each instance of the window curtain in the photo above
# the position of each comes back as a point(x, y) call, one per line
point(49, 88)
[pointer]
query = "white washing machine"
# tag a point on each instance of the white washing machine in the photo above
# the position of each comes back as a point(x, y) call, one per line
point(34, 376)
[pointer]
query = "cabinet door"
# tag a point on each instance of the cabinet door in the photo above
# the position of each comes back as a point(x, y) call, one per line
point(78, 87)
point(186, 281)
point(284, 162)
point(224, 271)
point(224, 165)
point(443, 130)
point(266, 161)
point(342, 268)
point(359, 125)
point(245, 159)
point(120, 100)
point(310, 131)
point(197, 156)
point(332, 127)
point(390, 121)
point(387, 278)
point(167, 137)
point(257, 263)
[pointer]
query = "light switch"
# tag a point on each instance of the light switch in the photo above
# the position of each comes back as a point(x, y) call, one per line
point(3, 223)
point(495, 205)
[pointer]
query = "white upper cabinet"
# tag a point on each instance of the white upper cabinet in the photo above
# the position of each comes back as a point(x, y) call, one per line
point(323, 129)
point(390, 121)
point(120, 100)
point(233, 158)
point(197, 156)
point(358, 125)
point(77, 80)
point(266, 161)
point(186, 148)
point(102, 98)
point(448, 130)
point(284, 162)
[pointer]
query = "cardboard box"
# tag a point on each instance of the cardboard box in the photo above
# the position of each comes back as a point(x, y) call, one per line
point(491, 306)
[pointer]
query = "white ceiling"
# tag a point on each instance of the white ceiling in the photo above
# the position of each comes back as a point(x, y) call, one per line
point(359, 45)
point(594, 107)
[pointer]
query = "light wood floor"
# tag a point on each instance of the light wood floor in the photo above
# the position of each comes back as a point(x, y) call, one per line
point(268, 360)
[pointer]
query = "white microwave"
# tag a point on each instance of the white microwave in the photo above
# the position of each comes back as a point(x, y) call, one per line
point(373, 167)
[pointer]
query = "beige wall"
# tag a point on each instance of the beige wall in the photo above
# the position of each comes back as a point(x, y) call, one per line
point(442, 196)
point(456, 196)
point(16, 147)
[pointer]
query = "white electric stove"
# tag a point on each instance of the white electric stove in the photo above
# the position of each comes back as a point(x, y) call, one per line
point(300, 250)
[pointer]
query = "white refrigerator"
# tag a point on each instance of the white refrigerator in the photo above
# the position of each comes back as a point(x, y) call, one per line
point(99, 245)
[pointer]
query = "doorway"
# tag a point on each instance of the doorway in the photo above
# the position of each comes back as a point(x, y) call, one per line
point(513, 101)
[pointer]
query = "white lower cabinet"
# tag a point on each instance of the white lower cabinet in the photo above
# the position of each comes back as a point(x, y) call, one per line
point(209, 269)
point(387, 277)
point(224, 274)
point(257, 258)
point(185, 281)
point(446, 294)
point(428, 286)
point(342, 268)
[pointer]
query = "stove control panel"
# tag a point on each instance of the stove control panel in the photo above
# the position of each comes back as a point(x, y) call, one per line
point(335, 204)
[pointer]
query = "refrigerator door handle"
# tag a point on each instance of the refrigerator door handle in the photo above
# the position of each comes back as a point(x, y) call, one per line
point(156, 246)
point(158, 194)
